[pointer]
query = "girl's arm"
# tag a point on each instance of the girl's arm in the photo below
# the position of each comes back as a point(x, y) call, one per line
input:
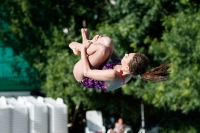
point(85, 61)
point(103, 75)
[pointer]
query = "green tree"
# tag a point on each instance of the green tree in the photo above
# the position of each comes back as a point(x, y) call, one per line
point(164, 30)
point(34, 30)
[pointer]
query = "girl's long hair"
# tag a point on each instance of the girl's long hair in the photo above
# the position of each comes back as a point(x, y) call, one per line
point(139, 65)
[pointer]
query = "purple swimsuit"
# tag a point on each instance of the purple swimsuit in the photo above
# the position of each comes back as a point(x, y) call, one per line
point(96, 84)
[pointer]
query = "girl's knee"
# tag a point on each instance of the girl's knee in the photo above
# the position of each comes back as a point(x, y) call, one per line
point(105, 50)
point(106, 41)
point(109, 44)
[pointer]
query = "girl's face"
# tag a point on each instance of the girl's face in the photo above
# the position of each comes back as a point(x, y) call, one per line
point(127, 57)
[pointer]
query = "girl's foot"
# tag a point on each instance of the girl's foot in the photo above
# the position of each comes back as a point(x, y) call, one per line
point(85, 35)
point(75, 51)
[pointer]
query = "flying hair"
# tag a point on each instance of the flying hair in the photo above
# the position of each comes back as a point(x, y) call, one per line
point(139, 65)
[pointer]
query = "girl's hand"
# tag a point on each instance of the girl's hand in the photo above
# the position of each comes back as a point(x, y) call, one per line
point(86, 44)
point(95, 38)
point(84, 33)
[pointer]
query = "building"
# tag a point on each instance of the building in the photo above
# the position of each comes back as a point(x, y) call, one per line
point(16, 76)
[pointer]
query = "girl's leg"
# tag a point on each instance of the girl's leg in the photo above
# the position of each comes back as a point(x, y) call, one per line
point(75, 46)
point(97, 55)
point(106, 41)
point(98, 39)
point(100, 54)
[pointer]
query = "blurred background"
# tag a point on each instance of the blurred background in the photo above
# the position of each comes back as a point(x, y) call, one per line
point(35, 57)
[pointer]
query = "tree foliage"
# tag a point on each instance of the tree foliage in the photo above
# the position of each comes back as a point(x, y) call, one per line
point(164, 30)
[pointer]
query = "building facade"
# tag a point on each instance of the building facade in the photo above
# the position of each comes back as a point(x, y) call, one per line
point(15, 72)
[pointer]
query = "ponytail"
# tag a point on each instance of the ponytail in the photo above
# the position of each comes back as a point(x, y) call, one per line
point(159, 73)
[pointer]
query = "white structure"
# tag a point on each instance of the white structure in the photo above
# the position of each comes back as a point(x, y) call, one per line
point(57, 116)
point(26, 114)
point(19, 116)
point(94, 122)
point(5, 116)
point(38, 115)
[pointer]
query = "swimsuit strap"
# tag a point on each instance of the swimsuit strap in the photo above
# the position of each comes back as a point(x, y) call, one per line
point(121, 77)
